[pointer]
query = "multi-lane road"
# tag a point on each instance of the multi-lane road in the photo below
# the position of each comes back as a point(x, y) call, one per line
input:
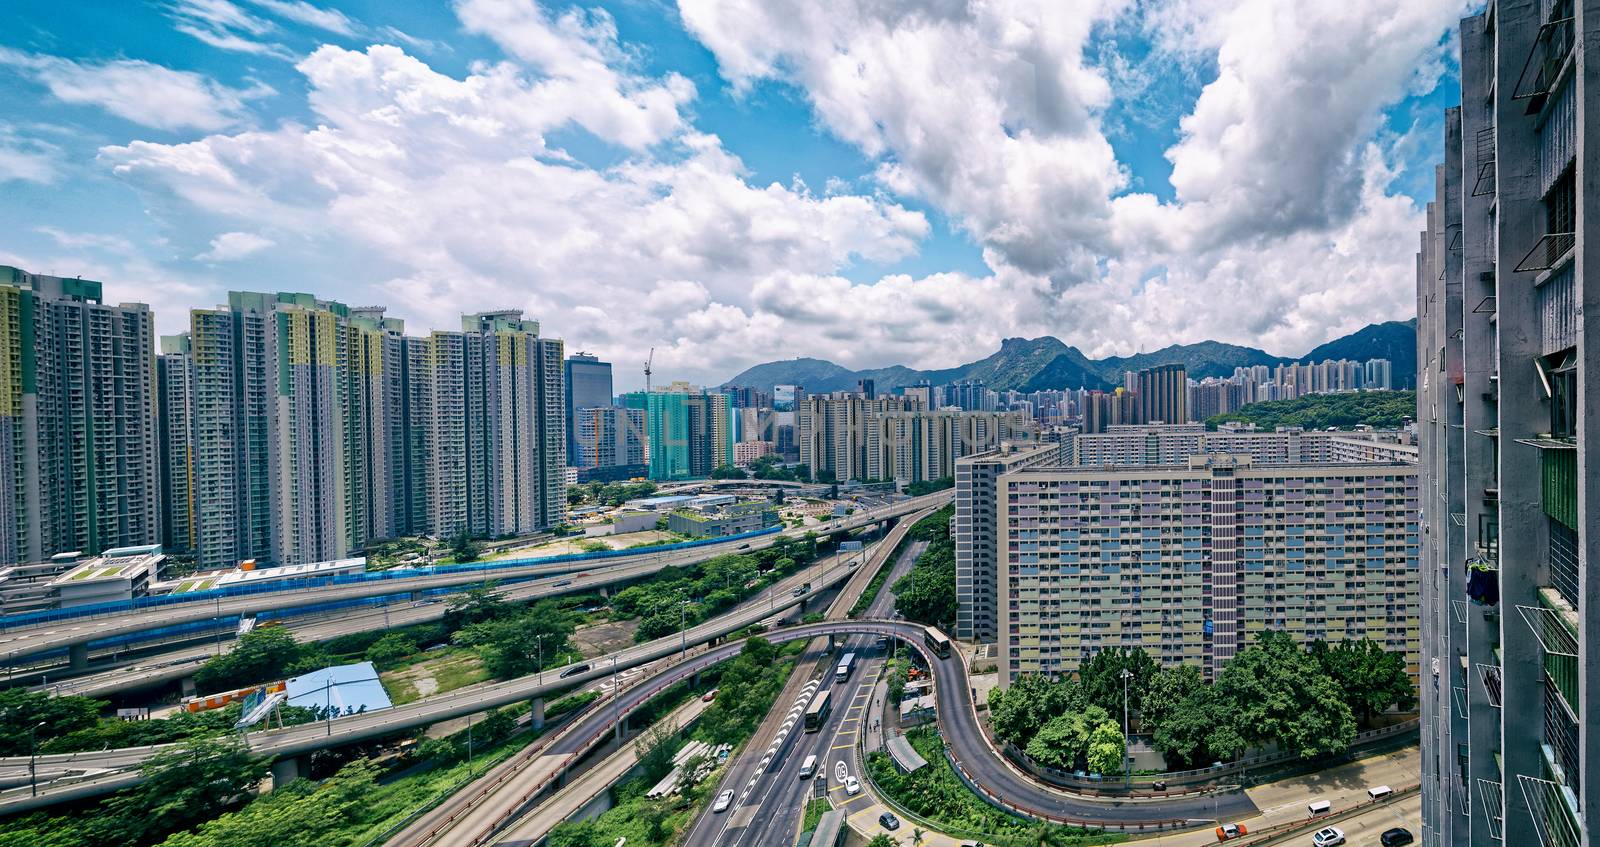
point(54, 635)
point(770, 801)
point(115, 769)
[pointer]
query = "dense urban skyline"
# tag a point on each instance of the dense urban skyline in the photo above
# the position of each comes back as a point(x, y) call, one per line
point(719, 190)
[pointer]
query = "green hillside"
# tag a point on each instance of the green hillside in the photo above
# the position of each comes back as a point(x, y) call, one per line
point(1377, 409)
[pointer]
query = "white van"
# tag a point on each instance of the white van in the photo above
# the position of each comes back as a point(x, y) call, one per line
point(808, 768)
point(1319, 807)
point(1377, 791)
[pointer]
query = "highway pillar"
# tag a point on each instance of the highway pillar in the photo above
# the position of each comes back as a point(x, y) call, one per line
point(536, 715)
point(186, 687)
point(605, 592)
point(287, 770)
point(78, 656)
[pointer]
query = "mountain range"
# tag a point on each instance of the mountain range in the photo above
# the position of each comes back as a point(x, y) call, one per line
point(1038, 364)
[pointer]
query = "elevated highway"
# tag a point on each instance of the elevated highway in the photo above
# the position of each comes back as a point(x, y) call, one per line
point(92, 773)
point(76, 633)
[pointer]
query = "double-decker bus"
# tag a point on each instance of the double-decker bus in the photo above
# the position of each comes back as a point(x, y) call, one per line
point(817, 712)
point(937, 642)
point(847, 665)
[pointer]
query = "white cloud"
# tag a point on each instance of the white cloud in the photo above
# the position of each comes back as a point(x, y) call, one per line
point(138, 91)
point(444, 193)
point(27, 160)
point(231, 246)
point(440, 194)
point(226, 26)
point(993, 112)
point(299, 11)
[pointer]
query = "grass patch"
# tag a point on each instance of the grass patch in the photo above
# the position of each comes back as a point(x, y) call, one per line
point(935, 794)
point(815, 809)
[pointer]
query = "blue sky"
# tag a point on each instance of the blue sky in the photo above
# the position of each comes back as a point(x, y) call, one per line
point(733, 180)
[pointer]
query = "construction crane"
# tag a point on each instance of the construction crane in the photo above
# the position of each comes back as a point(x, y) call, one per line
point(651, 358)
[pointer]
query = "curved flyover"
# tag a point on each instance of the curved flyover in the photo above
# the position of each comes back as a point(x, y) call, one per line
point(960, 726)
point(24, 641)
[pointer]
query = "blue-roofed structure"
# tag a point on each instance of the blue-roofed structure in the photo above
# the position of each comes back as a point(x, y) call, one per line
point(350, 689)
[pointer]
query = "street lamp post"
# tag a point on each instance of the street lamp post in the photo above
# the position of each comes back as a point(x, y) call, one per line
point(1127, 752)
point(470, 769)
point(33, 756)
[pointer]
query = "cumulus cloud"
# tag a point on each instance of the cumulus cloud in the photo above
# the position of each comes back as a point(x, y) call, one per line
point(994, 112)
point(446, 192)
point(231, 246)
point(138, 91)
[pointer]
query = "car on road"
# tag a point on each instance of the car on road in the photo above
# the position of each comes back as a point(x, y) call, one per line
point(574, 671)
point(724, 800)
point(1396, 837)
point(1328, 836)
point(562, 584)
point(852, 786)
point(709, 696)
point(1231, 830)
point(889, 821)
point(744, 547)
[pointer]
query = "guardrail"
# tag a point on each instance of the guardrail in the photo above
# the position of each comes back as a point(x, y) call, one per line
point(1230, 771)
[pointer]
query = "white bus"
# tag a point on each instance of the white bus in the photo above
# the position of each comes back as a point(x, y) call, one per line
point(817, 712)
point(847, 665)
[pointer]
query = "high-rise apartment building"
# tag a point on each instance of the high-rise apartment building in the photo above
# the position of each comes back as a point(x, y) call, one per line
point(1511, 725)
point(79, 439)
point(1190, 561)
point(833, 431)
point(175, 419)
point(1163, 394)
point(588, 387)
point(318, 429)
point(611, 437)
point(922, 445)
point(689, 430)
point(1164, 444)
point(976, 526)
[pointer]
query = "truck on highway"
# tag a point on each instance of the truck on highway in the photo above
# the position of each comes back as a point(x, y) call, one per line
point(802, 590)
point(847, 666)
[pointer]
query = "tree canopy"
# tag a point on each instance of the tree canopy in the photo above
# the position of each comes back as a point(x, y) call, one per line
point(1378, 409)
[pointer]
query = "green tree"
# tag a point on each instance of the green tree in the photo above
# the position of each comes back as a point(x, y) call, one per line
point(515, 646)
point(476, 605)
point(304, 812)
point(1275, 691)
point(392, 649)
point(881, 840)
point(1031, 701)
point(928, 593)
point(1061, 742)
point(463, 549)
point(1371, 678)
point(21, 709)
point(1165, 693)
point(260, 655)
point(182, 788)
point(656, 749)
point(1047, 834)
point(1107, 748)
point(728, 472)
point(917, 489)
point(1101, 677)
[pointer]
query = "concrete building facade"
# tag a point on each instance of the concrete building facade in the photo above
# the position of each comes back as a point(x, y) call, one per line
point(1190, 561)
point(976, 527)
point(79, 439)
point(1510, 736)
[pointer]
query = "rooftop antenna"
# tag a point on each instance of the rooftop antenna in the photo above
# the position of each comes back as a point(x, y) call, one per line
point(651, 358)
